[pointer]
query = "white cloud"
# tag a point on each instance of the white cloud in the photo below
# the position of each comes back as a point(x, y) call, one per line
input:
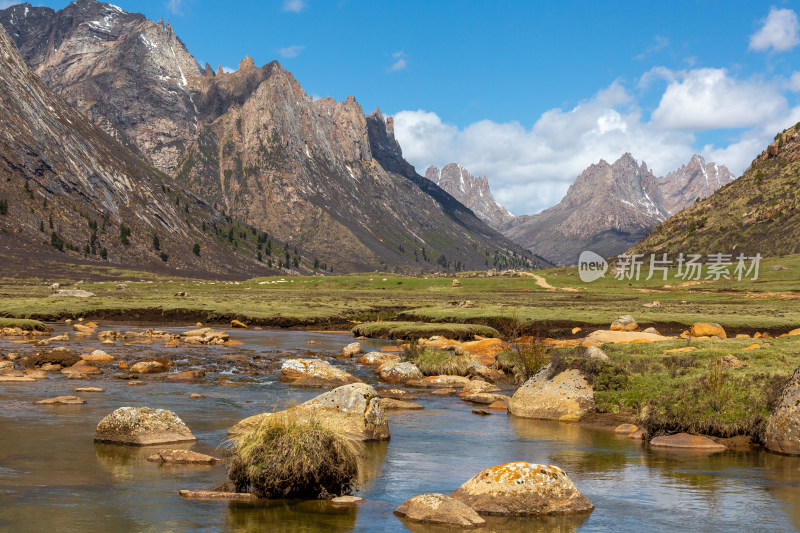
point(780, 31)
point(794, 82)
point(228, 70)
point(174, 6)
point(400, 62)
point(659, 43)
point(295, 6)
point(530, 169)
point(708, 98)
point(291, 51)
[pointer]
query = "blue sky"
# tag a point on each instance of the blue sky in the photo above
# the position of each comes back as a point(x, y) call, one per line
point(528, 93)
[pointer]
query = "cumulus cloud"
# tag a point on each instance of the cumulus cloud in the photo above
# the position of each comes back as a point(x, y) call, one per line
point(291, 51)
point(708, 98)
point(295, 6)
point(400, 61)
point(228, 70)
point(779, 31)
point(531, 168)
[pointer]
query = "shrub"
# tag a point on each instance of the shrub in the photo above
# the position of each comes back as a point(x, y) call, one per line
point(525, 357)
point(196, 249)
point(3, 206)
point(124, 234)
point(56, 241)
point(156, 242)
point(288, 458)
point(164, 256)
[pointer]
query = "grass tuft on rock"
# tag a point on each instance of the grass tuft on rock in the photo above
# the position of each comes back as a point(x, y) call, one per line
point(288, 458)
point(432, 362)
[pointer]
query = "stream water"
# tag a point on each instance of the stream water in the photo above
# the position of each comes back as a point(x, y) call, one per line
point(54, 478)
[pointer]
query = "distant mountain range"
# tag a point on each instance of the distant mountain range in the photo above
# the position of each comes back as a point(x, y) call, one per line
point(757, 213)
point(319, 176)
point(608, 209)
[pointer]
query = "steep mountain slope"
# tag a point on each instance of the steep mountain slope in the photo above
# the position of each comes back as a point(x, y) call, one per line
point(757, 213)
point(471, 191)
point(698, 179)
point(65, 185)
point(253, 143)
point(608, 209)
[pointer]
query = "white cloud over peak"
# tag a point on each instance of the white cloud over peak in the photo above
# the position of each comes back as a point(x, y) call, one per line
point(708, 98)
point(295, 6)
point(780, 31)
point(530, 169)
point(291, 51)
point(174, 7)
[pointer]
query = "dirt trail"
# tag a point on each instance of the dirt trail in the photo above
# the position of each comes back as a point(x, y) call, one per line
point(541, 282)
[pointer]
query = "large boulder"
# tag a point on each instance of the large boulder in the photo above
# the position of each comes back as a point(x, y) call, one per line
point(314, 373)
point(142, 426)
point(707, 329)
point(522, 489)
point(398, 372)
point(435, 508)
point(782, 434)
point(354, 408)
point(567, 396)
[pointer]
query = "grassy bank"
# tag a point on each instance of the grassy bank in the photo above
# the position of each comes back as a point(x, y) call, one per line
point(770, 303)
point(694, 391)
point(23, 323)
point(419, 330)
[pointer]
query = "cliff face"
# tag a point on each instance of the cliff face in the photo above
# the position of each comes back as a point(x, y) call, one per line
point(608, 209)
point(471, 191)
point(65, 185)
point(123, 72)
point(318, 174)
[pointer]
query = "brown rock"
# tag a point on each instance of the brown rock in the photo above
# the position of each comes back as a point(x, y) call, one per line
point(188, 375)
point(499, 405)
point(182, 457)
point(485, 398)
point(782, 434)
point(81, 368)
point(377, 358)
point(97, 356)
point(566, 397)
point(196, 396)
point(89, 389)
point(148, 367)
point(440, 382)
point(238, 324)
point(625, 429)
point(398, 372)
point(314, 373)
point(439, 509)
point(522, 489)
point(61, 400)
point(390, 404)
point(216, 495)
point(482, 412)
point(686, 441)
point(346, 500)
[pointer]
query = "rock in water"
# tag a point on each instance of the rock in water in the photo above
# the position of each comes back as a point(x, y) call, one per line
point(782, 434)
point(566, 397)
point(399, 372)
point(687, 442)
point(522, 489)
point(355, 408)
point(314, 373)
point(435, 508)
point(354, 348)
point(142, 426)
point(61, 400)
point(182, 457)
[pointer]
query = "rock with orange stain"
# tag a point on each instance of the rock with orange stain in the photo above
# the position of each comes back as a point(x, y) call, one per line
point(625, 323)
point(484, 351)
point(753, 347)
point(707, 329)
point(522, 489)
point(566, 396)
point(793, 333)
point(314, 373)
point(622, 337)
point(680, 350)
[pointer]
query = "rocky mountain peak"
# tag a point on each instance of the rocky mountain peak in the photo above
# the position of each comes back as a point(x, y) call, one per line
point(247, 63)
point(471, 191)
point(697, 179)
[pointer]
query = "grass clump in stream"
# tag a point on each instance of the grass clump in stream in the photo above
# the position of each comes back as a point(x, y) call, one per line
point(288, 458)
point(432, 362)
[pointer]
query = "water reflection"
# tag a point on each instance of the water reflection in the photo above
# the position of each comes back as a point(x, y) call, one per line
point(291, 517)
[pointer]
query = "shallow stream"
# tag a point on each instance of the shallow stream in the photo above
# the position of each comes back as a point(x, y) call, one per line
point(54, 478)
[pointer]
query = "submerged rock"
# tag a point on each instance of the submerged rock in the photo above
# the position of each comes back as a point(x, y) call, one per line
point(688, 442)
point(782, 434)
point(522, 489)
point(354, 408)
point(566, 397)
point(390, 404)
point(61, 400)
point(435, 508)
point(142, 426)
point(217, 495)
point(182, 457)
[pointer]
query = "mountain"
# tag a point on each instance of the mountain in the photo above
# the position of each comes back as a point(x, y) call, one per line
point(607, 210)
point(682, 187)
point(70, 191)
point(319, 175)
point(471, 191)
point(757, 213)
